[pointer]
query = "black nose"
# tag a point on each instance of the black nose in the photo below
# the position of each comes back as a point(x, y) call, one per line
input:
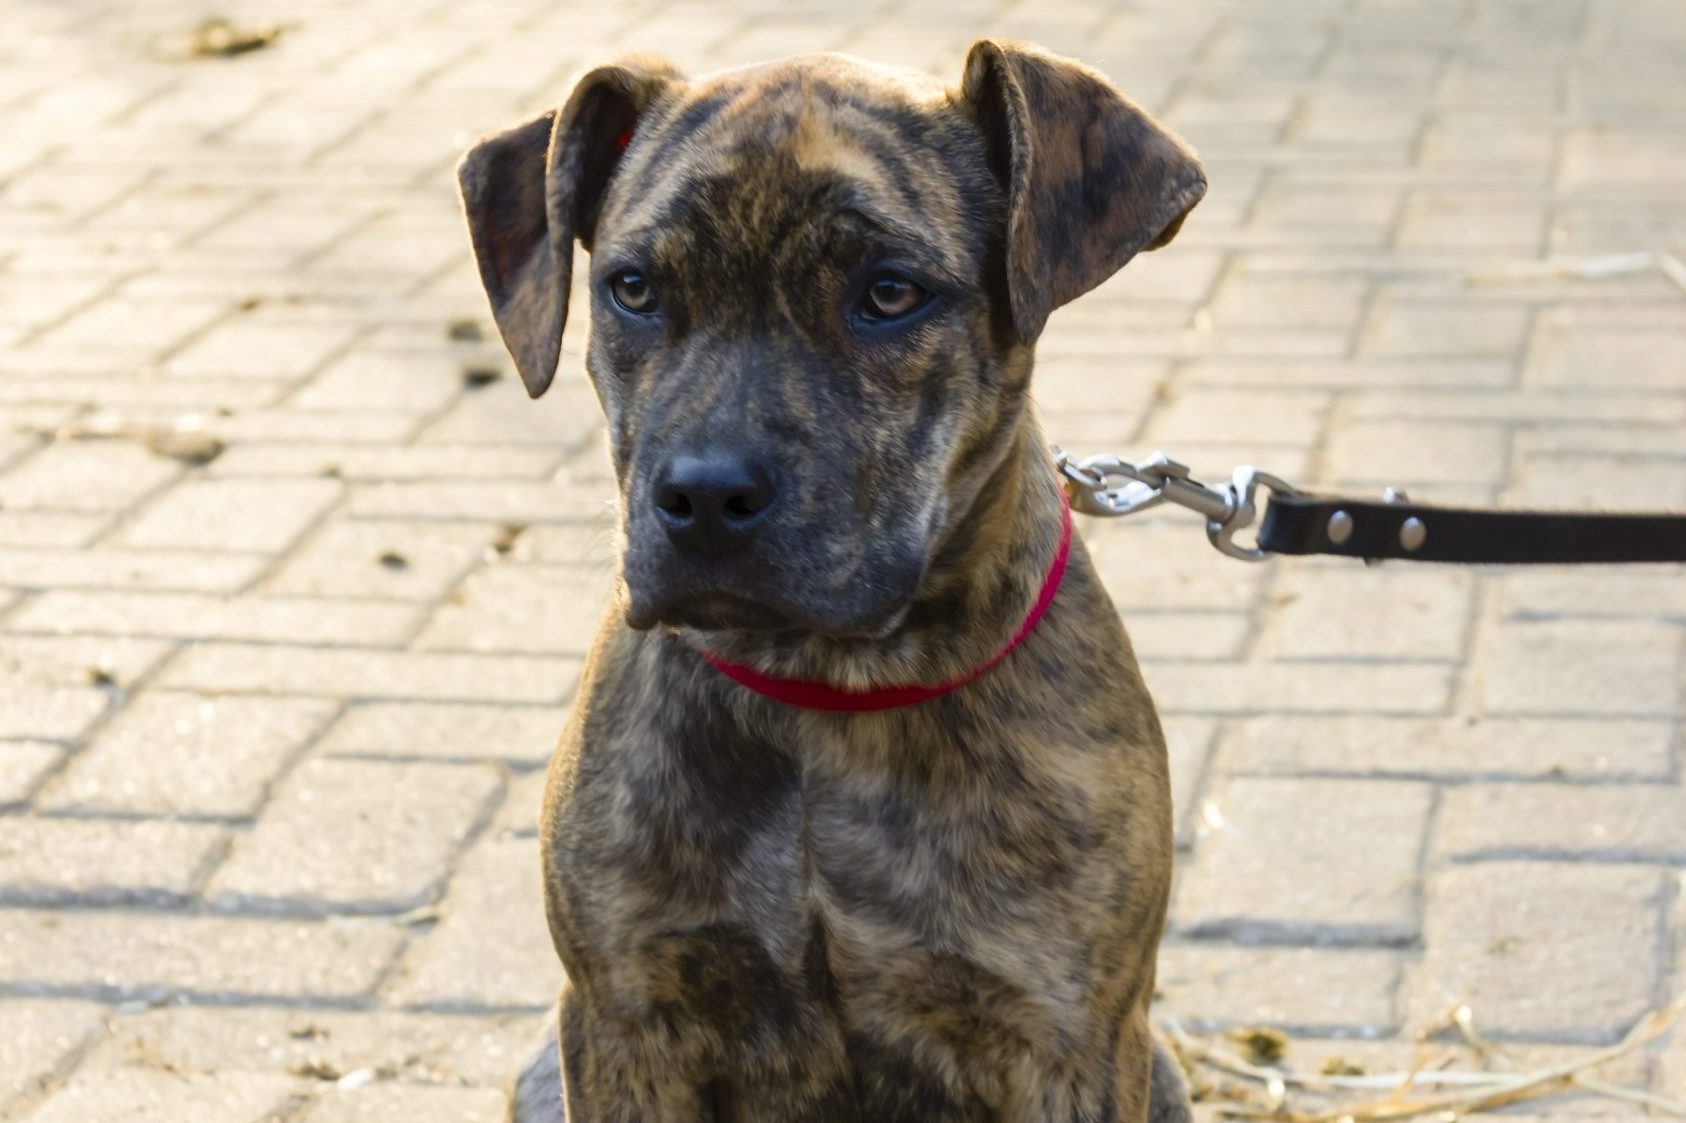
point(712, 504)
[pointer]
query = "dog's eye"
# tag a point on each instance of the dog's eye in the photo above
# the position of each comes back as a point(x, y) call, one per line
point(632, 292)
point(890, 296)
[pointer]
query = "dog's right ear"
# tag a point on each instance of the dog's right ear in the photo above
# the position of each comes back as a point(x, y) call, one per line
point(531, 190)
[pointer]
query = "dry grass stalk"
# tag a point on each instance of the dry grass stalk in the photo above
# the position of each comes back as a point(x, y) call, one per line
point(1472, 1091)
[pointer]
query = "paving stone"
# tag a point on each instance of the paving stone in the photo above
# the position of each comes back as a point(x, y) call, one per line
point(1277, 862)
point(1407, 613)
point(521, 608)
point(92, 475)
point(1345, 992)
point(1188, 745)
point(523, 804)
point(141, 1095)
point(1635, 591)
point(1601, 822)
point(1321, 688)
point(1508, 225)
point(171, 753)
point(379, 1103)
point(1541, 951)
point(1402, 453)
point(40, 1040)
point(261, 347)
point(191, 616)
point(322, 1045)
point(50, 528)
point(1188, 635)
point(349, 836)
point(382, 559)
point(1451, 748)
point(1588, 356)
point(148, 956)
point(23, 765)
point(1253, 300)
point(503, 501)
point(503, 415)
point(1421, 329)
point(361, 462)
point(357, 673)
point(368, 378)
point(433, 731)
point(263, 515)
point(1582, 667)
point(1165, 566)
point(128, 569)
point(77, 861)
point(498, 889)
point(1588, 482)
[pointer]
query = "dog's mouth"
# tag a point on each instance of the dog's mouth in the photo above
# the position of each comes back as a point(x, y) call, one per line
point(718, 611)
point(712, 611)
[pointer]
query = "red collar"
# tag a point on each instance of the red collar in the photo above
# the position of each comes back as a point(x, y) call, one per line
point(810, 695)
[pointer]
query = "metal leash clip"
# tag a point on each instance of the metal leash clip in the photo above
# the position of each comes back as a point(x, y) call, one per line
point(1110, 486)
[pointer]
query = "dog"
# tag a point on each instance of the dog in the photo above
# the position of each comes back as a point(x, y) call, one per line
point(862, 810)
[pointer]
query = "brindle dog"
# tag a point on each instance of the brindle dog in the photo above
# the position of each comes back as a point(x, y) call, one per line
point(815, 289)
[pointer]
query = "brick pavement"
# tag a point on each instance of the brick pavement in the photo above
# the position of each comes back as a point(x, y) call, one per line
point(272, 723)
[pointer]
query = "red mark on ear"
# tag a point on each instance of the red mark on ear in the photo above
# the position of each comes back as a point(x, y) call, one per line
point(623, 140)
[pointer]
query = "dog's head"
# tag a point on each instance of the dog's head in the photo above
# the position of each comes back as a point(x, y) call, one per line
point(814, 290)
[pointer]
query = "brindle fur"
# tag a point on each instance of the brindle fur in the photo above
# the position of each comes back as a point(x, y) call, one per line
point(947, 913)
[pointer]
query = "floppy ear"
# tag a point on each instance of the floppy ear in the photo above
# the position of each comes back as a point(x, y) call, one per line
point(1091, 179)
point(531, 190)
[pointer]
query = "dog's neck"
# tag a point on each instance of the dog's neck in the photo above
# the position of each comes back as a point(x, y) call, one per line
point(984, 576)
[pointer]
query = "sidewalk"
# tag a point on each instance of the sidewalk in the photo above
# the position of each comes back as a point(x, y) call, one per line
point(295, 581)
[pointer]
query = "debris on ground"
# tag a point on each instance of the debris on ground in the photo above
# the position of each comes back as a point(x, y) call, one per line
point(1260, 1046)
point(1564, 268)
point(1343, 1092)
point(465, 331)
point(188, 444)
point(217, 37)
point(475, 377)
point(504, 541)
point(394, 561)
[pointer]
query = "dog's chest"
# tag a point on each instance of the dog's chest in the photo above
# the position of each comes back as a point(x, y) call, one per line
point(849, 902)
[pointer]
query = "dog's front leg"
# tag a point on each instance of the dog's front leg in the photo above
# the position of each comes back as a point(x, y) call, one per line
point(617, 1073)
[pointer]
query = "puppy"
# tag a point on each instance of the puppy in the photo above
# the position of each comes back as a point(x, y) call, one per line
point(861, 812)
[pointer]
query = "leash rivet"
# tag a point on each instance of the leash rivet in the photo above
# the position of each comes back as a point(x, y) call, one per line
point(1412, 533)
point(1340, 527)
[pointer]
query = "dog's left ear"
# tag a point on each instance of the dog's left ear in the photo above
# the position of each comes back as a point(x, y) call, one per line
point(531, 190)
point(1091, 179)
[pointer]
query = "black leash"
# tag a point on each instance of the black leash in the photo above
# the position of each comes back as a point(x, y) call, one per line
point(1301, 523)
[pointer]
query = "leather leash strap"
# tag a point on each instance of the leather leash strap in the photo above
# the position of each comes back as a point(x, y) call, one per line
point(1301, 523)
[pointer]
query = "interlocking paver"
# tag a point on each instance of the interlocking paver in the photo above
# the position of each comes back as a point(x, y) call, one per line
point(1334, 991)
point(23, 765)
point(192, 616)
point(180, 754)
point(1281, 862)
point(379, 1103)
point(142, 1095)
point(1453, 748)
point(351, 836)
point(322, 672)
point(497, 889)
point(146, 956)
point(81, 861)
point(38, 1040)
point(262, 515)
point(1604, 822)
point(97, 475)
point(438, 731)
point(1541, 951)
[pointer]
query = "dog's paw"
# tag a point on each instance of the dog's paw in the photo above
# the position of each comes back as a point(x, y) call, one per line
point(538, 1093)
